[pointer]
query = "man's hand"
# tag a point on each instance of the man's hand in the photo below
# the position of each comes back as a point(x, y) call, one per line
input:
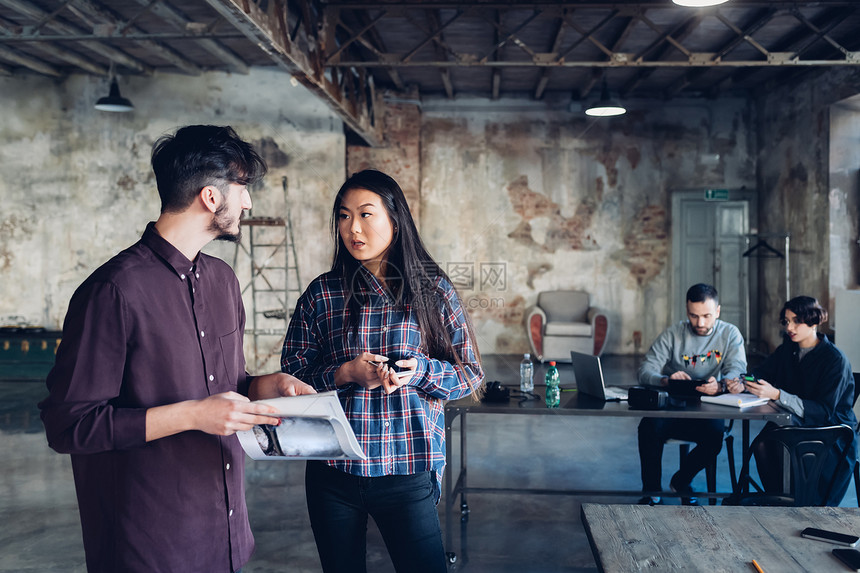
point(221, 414)
point(277, 384)
point(711, 387)
point(734, 385)
point(680, 375)
point(227, 413)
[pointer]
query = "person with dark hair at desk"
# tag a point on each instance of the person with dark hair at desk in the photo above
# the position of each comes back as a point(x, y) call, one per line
point(700, 348)
point(813, 379)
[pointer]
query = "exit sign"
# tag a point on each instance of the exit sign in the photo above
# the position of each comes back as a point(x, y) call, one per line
point(716, 194)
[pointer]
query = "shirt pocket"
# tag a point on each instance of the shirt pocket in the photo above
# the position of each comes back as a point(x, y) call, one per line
point(232, 358)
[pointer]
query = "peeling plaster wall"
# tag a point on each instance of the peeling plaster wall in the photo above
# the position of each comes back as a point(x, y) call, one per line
point(794, 188)
point(76, 185)
point(844, 197)
point(518, 200)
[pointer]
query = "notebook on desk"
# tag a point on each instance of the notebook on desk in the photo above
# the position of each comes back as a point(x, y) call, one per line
point(588, 374)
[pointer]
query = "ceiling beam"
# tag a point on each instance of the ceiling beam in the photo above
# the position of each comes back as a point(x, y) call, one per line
point(439, 46)
point(759, 20)
point(96, 11)
point(180, 21)
point(305, 65)
point(33, 12)
point(557, 37)
point(64, 54)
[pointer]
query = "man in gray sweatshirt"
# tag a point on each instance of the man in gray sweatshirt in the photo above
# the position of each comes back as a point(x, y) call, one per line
point(701, 348)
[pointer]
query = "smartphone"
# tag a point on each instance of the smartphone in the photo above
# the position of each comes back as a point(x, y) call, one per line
point(850, 557)
point(399, 372)
point(830, 536)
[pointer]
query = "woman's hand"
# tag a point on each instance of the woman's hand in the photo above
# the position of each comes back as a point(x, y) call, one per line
point(763, 388)
point(393, 380)
point(361, 370)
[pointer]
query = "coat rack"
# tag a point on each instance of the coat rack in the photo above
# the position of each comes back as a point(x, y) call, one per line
point(762, 249)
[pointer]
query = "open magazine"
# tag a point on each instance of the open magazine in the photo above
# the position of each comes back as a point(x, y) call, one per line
point(313, 427)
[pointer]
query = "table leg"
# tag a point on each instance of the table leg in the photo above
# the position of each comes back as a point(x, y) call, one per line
point(745, 450)
point(464, 506)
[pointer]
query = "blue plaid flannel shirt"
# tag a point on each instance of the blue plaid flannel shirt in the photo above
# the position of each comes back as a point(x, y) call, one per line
point(404, 432)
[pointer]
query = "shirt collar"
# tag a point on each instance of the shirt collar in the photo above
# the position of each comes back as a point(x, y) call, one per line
point(166, 251)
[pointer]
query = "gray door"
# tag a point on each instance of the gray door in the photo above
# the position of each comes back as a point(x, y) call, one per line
point(709, 239)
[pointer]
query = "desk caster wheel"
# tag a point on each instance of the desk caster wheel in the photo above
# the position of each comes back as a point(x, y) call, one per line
point(452, 557)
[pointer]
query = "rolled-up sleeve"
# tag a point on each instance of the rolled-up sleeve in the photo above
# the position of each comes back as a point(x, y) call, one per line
point(445, 379)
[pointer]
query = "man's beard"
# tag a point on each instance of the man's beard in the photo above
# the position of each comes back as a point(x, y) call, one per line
point(221, 225)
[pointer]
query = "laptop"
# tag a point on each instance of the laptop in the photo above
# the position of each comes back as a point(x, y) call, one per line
point(589, 378)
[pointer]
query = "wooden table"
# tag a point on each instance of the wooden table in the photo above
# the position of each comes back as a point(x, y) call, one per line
point(713, 538)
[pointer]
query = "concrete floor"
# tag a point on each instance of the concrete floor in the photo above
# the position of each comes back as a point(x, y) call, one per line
point(533, 533)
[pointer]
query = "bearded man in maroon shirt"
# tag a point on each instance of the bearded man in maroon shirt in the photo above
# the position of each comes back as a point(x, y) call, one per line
point(150, 385)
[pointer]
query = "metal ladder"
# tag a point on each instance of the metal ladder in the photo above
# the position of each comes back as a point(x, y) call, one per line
point(269, 251)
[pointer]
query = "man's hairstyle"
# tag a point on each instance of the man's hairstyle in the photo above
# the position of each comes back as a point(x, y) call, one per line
point(702, 292)
point(200, 155)
point(807, 309)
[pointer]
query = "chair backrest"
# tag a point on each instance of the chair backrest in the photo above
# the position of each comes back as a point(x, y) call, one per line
point(856, 401)
point(564, 305)
point(809, 450)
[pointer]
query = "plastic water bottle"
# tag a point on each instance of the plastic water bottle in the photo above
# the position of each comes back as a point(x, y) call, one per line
point(553, 392)
point(527, 374)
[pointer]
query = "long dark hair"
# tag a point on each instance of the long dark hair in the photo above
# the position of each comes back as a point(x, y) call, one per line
point(410, 271)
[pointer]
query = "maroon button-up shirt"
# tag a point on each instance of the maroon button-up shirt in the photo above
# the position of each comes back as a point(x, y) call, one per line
point(146, 329)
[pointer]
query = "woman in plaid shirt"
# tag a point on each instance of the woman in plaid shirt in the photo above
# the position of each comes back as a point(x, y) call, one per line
point(385, 302)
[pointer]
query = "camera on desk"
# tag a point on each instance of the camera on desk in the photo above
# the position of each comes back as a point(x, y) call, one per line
point(495, 392)
point(647, 398)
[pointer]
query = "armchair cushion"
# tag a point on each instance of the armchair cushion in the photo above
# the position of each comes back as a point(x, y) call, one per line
point(554, 328)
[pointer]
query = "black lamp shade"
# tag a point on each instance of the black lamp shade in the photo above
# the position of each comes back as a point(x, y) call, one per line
point(114, 101)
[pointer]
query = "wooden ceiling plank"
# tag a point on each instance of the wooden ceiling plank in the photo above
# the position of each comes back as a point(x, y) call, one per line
point(586, 35)
point(759, 20)
point(29, 62)
point(432, 36)
point(376, 44)
point(35, 13)
point(354, 36)
point(180, 21)
point(59, 53)
point(510, 36)
point(99, 12)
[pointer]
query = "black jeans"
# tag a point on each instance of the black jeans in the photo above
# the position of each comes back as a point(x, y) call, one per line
point(653, 433)
point(403, 507)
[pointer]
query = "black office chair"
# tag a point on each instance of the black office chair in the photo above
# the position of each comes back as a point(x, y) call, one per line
point(857, 430)
point(808, 450)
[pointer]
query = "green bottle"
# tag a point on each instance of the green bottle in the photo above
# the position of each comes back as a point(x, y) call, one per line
point(553, 392)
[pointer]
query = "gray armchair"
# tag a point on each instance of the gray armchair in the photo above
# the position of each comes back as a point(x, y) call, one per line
point(564, 320)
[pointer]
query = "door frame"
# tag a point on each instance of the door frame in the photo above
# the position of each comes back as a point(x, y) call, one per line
point(750, 196)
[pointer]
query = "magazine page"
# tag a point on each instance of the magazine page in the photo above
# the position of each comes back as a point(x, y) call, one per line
point(313, 427)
